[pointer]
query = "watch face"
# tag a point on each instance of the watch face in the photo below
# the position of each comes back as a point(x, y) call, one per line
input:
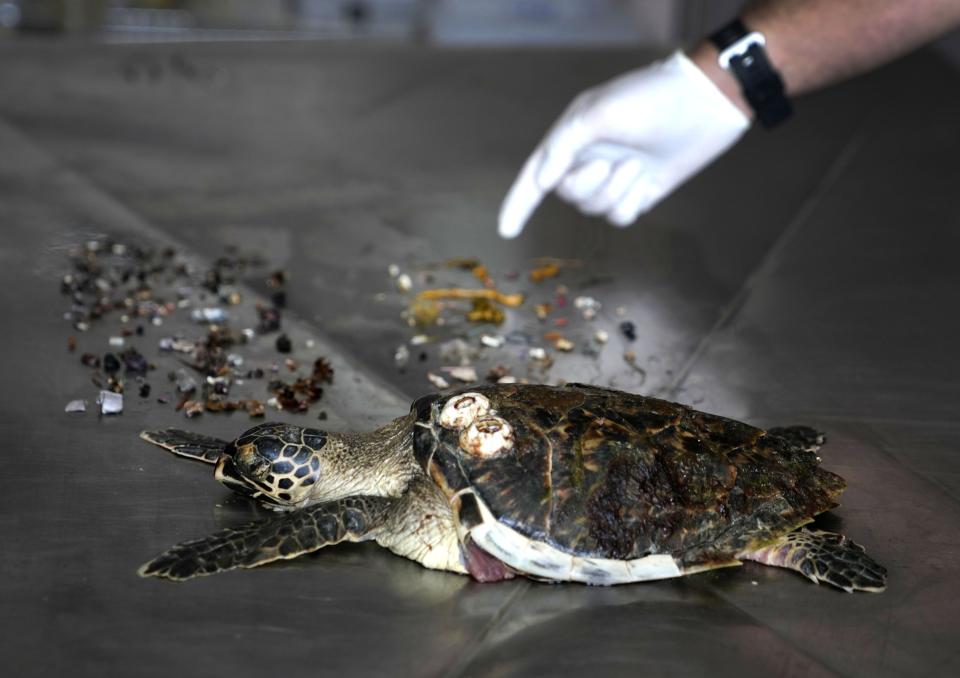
point(740, 48)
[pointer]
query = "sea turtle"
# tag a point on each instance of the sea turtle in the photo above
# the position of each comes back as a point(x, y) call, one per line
point(572, 483)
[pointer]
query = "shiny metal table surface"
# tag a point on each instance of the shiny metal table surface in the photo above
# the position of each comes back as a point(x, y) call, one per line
point(810, 276)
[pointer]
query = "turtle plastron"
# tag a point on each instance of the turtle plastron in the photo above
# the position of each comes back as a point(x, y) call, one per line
point(543, 561)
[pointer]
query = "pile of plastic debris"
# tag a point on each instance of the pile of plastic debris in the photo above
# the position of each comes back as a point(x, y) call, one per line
point(124, 295)
point(526, 328)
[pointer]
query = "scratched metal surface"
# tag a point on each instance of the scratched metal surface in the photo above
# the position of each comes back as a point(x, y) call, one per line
point(808, 277)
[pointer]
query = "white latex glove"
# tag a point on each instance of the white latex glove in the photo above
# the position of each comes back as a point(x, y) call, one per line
point(622, 147)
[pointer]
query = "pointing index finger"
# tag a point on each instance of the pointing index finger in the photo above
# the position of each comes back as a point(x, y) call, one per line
point(545, 168)
point(522, 198)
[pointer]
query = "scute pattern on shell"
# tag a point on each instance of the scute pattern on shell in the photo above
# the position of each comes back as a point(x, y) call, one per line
point(609, 474)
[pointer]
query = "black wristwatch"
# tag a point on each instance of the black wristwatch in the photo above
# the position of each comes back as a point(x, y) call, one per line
point(742, 52)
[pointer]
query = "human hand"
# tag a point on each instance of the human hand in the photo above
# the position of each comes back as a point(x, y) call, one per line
point(623, 146)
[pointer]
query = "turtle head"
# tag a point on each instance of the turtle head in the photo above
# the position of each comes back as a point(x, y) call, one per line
point(277, 464)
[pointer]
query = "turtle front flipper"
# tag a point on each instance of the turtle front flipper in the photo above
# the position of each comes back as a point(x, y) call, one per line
point(824, 557)
point(186, 444)
point(280, 537)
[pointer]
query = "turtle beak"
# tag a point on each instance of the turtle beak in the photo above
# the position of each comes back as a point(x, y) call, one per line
point(218, 472)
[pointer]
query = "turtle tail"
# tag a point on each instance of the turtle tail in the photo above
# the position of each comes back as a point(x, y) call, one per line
point(186, 444)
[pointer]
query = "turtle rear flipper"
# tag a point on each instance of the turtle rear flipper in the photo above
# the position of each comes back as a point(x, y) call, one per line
point(824, 557)
point(280, 537)
point(186, 444)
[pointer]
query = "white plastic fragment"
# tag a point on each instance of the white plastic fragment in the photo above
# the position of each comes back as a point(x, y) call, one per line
point(458, 352)
point(463, 373)
point(185, 382)
point(209, 314)
point(492, 340)
point(585, 302)
point(404, 283)
point(507, 379)
point(401, 356)
point(601, 336)
point(76, 406)
point(110, 402)
point(537, 353)
point(393, 270)
point(176, 344)
point(437, 380)
point(117, 342)
point(588, 307)
point(419, 340)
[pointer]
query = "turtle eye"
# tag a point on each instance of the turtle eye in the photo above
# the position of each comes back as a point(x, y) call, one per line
point(250, 462)
point(259, 468)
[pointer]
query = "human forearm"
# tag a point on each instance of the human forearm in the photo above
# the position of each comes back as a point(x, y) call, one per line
point(623, 146)
point(814, 43)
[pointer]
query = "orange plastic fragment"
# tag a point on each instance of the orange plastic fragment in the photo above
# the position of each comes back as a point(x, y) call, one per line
point(544, 272)
point(512, 300)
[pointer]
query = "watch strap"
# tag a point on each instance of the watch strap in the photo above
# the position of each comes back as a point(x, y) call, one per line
point(742, 52)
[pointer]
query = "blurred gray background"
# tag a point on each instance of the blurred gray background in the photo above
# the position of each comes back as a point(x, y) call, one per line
point(491, 22)
point(637, 23)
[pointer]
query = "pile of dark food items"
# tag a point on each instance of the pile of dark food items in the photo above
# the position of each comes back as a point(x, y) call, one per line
point(149, 325)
